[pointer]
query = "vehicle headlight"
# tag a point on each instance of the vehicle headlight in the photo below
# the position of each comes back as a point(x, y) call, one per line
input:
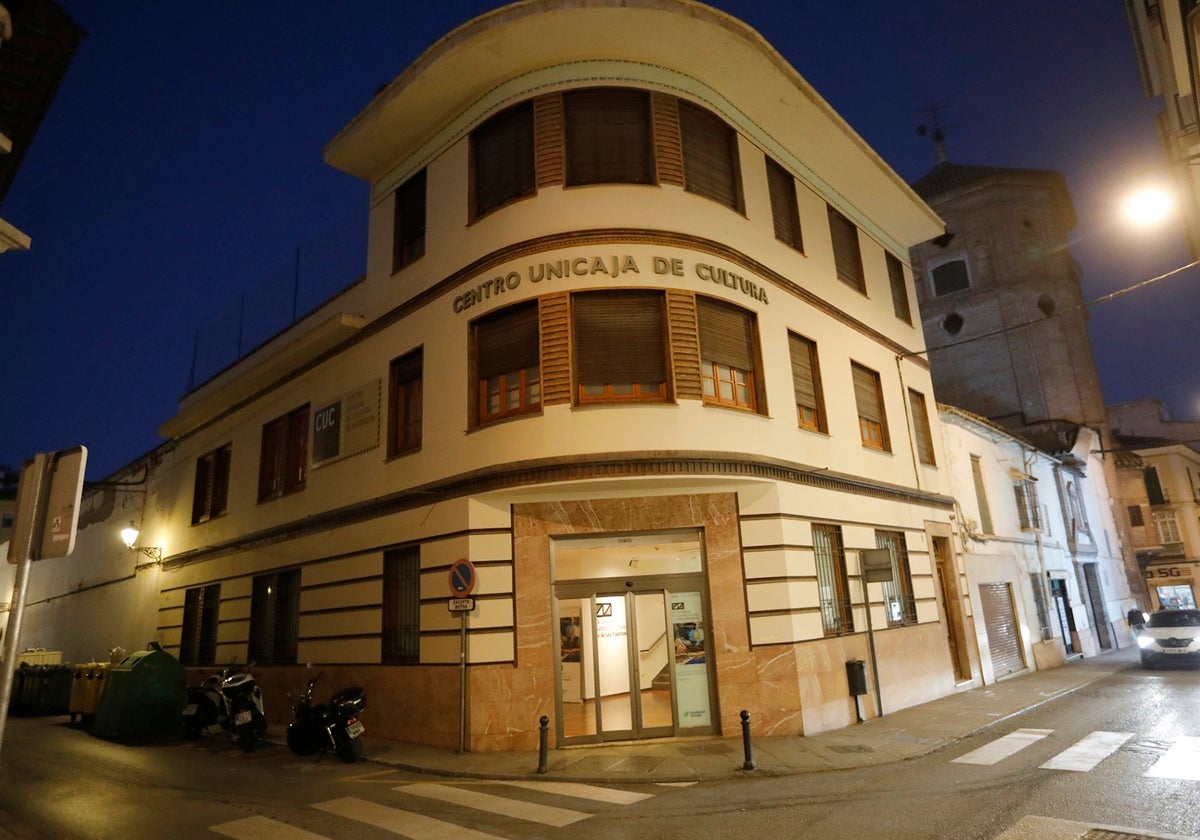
point(1146, 641)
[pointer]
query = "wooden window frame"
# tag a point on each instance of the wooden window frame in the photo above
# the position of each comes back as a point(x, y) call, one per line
point(872, 425)
point(401, 636)
point(810, 409)
point(210, 495)
point(410, 207)
point(503, 159)
point(900, 305)
point(829, 555)
point(201, 617)
point(512, 336)
point(627, 351)
point(729, 359)
point(283, 466)
point(405, 402)
point(710, 156)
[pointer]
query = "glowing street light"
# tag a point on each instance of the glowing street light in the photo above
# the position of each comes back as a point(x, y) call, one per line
point(1149, 206)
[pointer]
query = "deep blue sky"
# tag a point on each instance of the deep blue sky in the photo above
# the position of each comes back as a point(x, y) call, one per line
point(181, 165)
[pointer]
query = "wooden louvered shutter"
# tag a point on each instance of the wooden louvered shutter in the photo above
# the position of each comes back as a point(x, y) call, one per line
point(866, 394)
point(806, 383)
point(503, 158)
point(668, 156)
point(899, 289)
point(685, 344)
point(554, 313)
point(784, 213)
point(709, 156)
point(726, 334)
point(921, 430)
point(548, 142)
point(619, 337)
point(507, 340)
point(608, 137)
point(846, 255)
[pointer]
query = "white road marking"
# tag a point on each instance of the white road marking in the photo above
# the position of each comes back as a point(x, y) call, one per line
point(405, 823)
point(1182, 761)
point(529, 811)
point(1087, 753)
point(594, 793)
point(1002, 748)
point(261, 828)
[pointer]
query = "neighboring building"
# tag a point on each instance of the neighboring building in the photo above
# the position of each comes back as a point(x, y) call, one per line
point(637, 340)
point(1004, 317)
point(37, 43)
point(1159, 468)
point(8, 501)
point(1164, 37)
point(1044, 577)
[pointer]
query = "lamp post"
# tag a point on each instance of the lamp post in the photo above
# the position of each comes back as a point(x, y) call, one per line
point(129, 536)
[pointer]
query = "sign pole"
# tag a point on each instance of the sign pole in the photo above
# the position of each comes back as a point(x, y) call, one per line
point(27, 539)
point(462, 684)
point(462, 583)
point(875, 565)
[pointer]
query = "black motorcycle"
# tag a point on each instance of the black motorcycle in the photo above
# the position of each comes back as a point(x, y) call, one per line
point(205, 706)
point(318, 727)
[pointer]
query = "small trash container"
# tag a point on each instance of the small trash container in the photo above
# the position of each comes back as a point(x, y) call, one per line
point(87, 681)
point(143, 697)
point(856, 676)
point(56, 696)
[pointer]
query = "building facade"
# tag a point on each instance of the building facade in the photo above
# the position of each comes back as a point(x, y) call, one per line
point(634, 368)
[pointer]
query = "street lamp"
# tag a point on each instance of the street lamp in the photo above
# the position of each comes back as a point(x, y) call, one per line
point(1149, 206)
point(129, 536)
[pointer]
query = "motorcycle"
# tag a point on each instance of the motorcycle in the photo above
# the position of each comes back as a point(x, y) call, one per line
point(231, 700)
point(245, 720)
point(318, 727)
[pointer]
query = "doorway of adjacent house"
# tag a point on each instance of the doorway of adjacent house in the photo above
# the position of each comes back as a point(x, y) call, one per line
point(956, 637)
point(633, 654)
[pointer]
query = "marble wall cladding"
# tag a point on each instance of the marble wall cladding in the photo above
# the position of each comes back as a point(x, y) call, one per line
point(914, 665)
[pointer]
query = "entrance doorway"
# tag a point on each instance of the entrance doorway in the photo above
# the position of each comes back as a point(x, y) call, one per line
point(956, 637)
point(633, 654)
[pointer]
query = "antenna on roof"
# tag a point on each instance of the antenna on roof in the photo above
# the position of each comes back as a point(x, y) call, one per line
point(936, 131)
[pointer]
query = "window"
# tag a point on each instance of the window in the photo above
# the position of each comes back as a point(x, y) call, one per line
point(710, 161)
point(921, 431)
point(1079, 520)
point(1168, 529)
point(847, 257)
point(404, 397)
point(275, 618)
point(1027, 505)
point(1135, 516)
point(899, 289)
point(198, 642)
point(950, 277)
point(402, 606)
point(784, 212)
point(284, 465)
point(608, 136)
point(502, 158)
point(832, 582)
point(897, 592)
point(620, 346)
point(1154, 488)
point(868, 395)
point(726, 353)
point(410, 222)
point(985, 511)
point(806, 382)
point(210, 497)
point(507, 366)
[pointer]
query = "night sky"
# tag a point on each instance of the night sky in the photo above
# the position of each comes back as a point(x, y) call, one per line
point(180, 168)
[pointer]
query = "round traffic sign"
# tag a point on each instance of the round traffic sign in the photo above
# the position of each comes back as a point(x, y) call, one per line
point(462, 578)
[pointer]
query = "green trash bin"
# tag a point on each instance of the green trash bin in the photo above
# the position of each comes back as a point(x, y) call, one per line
point(143, 697)
point(57, 695)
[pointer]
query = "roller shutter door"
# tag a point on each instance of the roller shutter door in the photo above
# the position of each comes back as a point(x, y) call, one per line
point(1000, 620)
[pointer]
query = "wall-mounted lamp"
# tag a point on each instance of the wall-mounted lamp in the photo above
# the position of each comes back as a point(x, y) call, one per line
point(129, 536)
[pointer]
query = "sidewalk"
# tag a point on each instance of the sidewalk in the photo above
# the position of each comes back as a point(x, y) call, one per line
point(896, 736)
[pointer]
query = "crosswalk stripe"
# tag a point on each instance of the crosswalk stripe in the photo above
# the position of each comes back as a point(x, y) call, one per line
point(1087, 753)
point(262, 828)
point(1182, 761)
point(594, 793)
point(529, 811)
point(405, 823)
point(1002, 748)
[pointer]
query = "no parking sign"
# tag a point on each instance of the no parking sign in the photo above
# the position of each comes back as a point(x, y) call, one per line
point(462, 578)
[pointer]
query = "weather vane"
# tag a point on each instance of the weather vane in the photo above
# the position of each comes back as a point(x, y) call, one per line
point(935, 130)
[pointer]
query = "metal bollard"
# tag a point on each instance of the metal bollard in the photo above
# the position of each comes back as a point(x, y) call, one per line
point(749, 763)
point(543, 745)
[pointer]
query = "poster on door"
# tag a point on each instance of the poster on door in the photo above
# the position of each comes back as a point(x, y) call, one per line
point(691, 665)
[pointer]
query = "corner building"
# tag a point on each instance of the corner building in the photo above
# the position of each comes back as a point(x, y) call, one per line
point(637, 339)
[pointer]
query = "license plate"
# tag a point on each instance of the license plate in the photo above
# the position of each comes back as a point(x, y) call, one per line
point(242, 718)
point(355, 729)
point(1174, 650)
point(189, 709)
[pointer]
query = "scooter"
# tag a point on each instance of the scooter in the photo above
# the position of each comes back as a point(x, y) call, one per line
point(318, 727)
point(205, 706)
point(245, 719)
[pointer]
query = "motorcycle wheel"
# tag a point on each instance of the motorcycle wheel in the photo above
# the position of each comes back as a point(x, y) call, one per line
point(349, 749)
point(193, 727)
